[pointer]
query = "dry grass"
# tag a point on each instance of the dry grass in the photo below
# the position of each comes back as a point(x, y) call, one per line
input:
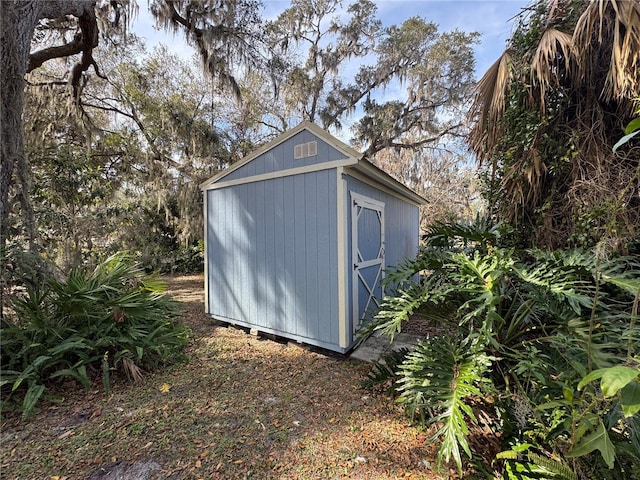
point(242, 407)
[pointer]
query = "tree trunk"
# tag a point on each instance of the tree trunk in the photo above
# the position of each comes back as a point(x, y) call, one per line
point(18, 20)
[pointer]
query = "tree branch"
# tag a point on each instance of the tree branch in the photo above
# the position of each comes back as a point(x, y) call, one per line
point(36, 59)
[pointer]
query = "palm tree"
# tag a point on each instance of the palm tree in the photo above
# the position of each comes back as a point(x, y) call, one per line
point(546, 116)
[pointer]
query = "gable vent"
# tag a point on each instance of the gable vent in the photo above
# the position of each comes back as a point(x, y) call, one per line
point(303, 150)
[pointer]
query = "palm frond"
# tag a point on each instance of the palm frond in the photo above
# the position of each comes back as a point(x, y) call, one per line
point(554, 47)
point(614, 22)
point(488, 105)
point(133, 371)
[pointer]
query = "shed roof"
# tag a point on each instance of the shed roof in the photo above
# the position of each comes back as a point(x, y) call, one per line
point(353, 160)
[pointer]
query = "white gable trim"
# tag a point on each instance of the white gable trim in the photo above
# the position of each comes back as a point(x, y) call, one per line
point(383, 178)
point(306, 125)
point(283, 173)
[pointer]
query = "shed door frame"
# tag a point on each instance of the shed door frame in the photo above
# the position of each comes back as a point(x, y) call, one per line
point(359, 203)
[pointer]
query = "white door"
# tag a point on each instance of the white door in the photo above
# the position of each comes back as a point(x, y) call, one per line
point(367, 254)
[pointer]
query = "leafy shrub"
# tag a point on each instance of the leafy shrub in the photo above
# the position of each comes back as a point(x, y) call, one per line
point(183, 259)
point(84, 327)
point(534, 329)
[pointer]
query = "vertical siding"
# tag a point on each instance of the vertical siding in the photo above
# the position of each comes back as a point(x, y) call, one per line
point(272, 255)
point(280, 157)
point(401, 228)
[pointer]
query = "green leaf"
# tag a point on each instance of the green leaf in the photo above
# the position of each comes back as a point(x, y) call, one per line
point(629, 283)
point(27, 373)
point(37, 363)
point(79, 374)
point(612, 379)
point(598, 440)
point(515, 450)
point(617, 377)
point(633, 126)
point(32, 396)
point(630, 399)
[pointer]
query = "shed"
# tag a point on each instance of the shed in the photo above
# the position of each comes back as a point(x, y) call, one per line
point(297, 237)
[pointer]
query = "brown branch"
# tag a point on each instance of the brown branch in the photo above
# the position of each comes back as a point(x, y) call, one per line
point(176, 17)
point(89, 28)
point(108, 109)
point(36, 59)
point(46, 84)
point(84, 41)
point(381, 143)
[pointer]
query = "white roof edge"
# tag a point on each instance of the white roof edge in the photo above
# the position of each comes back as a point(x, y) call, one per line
point(305, 125)
point(369, 169)
point(347, 162)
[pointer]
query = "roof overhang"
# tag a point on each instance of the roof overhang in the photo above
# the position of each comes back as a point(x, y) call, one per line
point(378, 176)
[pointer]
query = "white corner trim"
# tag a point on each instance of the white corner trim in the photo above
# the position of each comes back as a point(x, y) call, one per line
point(344, 340)
point(206, 256)
point(284, 173)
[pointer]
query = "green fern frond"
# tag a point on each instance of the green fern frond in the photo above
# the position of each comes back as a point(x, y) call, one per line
point(523, 464)
point(437, 377)
point(554, 468)
point(393, 311)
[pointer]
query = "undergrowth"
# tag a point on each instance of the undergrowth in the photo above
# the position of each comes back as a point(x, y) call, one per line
point(550, 337)
point(86, 327)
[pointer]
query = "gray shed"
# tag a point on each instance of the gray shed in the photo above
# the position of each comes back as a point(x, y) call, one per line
point(297, 236)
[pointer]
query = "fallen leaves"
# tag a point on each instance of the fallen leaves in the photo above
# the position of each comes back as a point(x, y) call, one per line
point(271, 411)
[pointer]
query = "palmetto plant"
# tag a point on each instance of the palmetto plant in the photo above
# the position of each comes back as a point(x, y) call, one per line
point(86, 326)
point(527, 327)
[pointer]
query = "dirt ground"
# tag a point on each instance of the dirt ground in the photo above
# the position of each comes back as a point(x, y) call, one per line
point(241, 407)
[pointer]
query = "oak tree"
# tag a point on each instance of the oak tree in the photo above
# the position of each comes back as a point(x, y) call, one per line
point(226, 33)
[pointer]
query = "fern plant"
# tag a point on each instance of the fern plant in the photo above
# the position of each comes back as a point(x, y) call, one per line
point(506, 308)
point(523, 464)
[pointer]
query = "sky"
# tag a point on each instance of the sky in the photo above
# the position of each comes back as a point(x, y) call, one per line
point(493, 19)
